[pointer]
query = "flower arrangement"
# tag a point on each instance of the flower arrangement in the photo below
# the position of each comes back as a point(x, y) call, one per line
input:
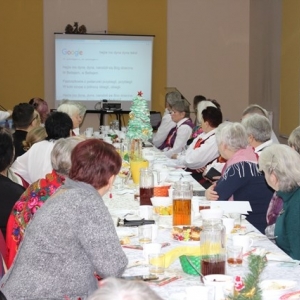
point(248, 288)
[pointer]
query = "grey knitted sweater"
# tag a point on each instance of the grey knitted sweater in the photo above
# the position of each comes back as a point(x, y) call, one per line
point(70, 237)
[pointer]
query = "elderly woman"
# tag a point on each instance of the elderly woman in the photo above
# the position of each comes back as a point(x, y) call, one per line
point(276, 202)
point(240, 178)
point(259, 131)
point(257, 109)
point(166, 123)
point(280, 164)
point(37, 193)
point(178, 136)
point(76, 111)
point(73, 235)
point(113, 288)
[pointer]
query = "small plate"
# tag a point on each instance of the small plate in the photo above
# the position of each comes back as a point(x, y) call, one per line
point(182, 234)
point(274, 288)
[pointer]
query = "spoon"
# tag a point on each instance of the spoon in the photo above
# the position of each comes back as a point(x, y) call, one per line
point(247, 232)
point(198, 272)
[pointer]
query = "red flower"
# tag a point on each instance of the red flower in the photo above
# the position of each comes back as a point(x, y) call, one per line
point(19, 205)
point(140, 93)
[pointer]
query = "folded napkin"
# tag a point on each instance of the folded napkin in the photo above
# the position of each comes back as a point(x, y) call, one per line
point(174, 254)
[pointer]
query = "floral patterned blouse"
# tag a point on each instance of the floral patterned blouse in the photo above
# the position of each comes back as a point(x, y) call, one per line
point(24, 209)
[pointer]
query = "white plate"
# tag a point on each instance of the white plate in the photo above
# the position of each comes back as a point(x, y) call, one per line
point(274, 288)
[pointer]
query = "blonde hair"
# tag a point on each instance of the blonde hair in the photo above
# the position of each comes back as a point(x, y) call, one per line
point(35, 135)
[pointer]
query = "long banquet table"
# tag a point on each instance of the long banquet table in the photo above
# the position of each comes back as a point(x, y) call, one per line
point(120, 204)
point(280, 265)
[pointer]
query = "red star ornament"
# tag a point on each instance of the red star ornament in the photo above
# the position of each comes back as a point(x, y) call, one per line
point(140, 93)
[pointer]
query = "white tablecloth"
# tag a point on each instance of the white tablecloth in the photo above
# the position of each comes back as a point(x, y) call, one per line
point(176, 290)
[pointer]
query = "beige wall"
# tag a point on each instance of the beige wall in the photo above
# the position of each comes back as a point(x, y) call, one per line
point(265, 50)
point(21, 51)
point(208, 51)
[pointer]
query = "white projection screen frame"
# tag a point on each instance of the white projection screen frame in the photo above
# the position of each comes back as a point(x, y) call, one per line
point(91, 68)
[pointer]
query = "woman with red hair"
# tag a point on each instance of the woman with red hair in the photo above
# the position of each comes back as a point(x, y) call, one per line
point(73, 235)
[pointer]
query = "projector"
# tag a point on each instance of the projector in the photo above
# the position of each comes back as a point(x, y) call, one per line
point(111, 106)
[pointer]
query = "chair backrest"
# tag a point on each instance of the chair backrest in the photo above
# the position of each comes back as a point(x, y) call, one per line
point(155, 119)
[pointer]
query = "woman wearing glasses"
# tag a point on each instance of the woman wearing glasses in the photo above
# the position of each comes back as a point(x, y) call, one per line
point(280, 164)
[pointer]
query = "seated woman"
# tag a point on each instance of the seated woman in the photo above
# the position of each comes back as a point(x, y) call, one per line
point(10, 191)
point(166, 123)
point(276, 202)
point(240, 178)
point(41, 106)
point(259, 131)
point(76, 111)
point(203, 149)
point(37, 193)
point(36, 162)
point(73, 235)
point(178, 136)
point(280, 164)
point(202, 103)
point(35, 135)
point(113, 288)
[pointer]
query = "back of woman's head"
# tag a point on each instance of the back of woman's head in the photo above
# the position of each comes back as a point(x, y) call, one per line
point(213, 116)
point(61, 154)
point(58, 125)
point(94, 162)
point(119, 289)
point(69, 107)
point(233, 135)
point(284, 162)
point(7, 150)
point(258, 126)
point(294, 139)
point(35, 135)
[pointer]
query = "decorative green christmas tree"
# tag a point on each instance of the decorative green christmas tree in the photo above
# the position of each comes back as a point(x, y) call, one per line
point(139, 126)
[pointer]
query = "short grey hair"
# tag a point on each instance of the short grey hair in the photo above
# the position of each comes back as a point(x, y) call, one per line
point(70, 107)
point(119, 289)
point(233, 135)
point(182, 106)
point(172, 97)
point(294, 139)
point(61, 154)
point(258, 126)
point(255, 109)
point(283, 162)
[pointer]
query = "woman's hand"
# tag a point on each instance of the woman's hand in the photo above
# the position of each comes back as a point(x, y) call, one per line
point(174, 156)
point(211, 194)
point(200, 170)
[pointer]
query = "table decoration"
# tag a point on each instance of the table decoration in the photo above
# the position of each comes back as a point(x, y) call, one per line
point(139, 126)
point(248, 288)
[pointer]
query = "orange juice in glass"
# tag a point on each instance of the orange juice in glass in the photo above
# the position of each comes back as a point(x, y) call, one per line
point(135, 166)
